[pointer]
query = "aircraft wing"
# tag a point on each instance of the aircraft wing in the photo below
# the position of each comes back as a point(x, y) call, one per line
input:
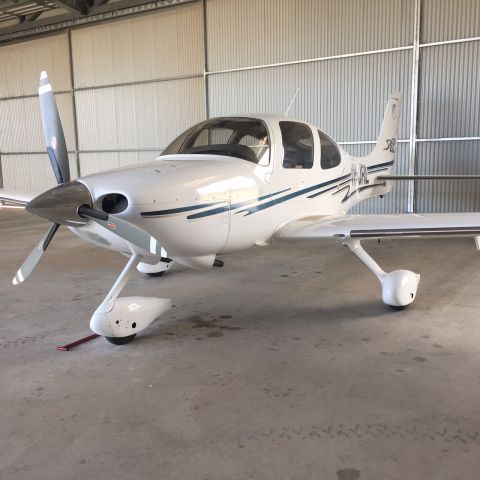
point(360, 227)
point(14, 196)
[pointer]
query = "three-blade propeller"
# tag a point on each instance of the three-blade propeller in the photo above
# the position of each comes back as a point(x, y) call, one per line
point(53, 131)
point(35, 255)
point(57, 152)
point(70, 199)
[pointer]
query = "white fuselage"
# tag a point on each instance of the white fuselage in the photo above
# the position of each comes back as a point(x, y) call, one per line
point(200, 205)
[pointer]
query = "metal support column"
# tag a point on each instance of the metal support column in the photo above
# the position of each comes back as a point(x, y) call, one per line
point(1, 171)
point(414, 104)
point(205, 58)
point(74, 105)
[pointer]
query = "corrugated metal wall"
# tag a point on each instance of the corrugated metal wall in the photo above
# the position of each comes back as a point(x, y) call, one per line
point(346, 97)
point(135, 83)
point(25, 166)
point(449, 105)
point(257, 32)
point(138, 84)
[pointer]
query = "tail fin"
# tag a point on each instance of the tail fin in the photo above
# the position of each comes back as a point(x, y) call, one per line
point(384, 153)
point(380, 161)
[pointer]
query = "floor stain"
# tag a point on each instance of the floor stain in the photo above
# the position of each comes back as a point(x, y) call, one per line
point(348, 474)
point(215, 334)
point(420, 359)
point(18, 342)
point(199, 322)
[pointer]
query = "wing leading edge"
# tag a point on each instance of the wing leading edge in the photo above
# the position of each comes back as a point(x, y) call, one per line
point(13, 196)
point(382, 226)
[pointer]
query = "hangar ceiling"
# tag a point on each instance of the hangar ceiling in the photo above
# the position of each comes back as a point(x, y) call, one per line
point(20, 12)
point(22, 18)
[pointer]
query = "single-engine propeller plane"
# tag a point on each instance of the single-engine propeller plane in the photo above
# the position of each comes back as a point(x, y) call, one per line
point(222, 186)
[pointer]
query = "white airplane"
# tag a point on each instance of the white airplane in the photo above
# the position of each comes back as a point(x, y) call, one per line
point(222, 186)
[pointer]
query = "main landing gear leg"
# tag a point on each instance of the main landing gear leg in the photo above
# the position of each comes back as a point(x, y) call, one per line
point(120, 319)
point(399, 287)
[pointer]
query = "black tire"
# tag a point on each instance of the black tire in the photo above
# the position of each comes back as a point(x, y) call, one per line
point(398, 307)
point(156, 274)
point(121, 340)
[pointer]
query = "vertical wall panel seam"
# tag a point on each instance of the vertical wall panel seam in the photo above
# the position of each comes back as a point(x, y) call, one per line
point(414, 102)
point(205, 57)
point(74, 107)
point(1, 171)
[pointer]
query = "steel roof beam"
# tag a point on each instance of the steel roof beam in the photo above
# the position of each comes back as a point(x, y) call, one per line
point(79, 7)
point(95, 14)
point(31, 17)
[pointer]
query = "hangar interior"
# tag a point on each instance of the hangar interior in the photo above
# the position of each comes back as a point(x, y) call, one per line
point(126, 88)
point(283, 364)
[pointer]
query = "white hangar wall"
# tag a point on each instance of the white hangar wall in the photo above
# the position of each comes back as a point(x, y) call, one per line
point(125, 88)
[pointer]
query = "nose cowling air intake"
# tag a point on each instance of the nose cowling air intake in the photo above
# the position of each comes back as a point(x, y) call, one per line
point(60, 204)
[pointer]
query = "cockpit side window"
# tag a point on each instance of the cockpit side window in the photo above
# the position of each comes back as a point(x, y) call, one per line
point(297, 145)
point(245, 138)
point(330, 156)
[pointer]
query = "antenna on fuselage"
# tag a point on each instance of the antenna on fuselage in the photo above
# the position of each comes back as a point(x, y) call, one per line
point(291, 103)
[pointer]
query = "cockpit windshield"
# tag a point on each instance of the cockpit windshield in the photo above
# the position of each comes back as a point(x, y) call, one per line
point(245, 138)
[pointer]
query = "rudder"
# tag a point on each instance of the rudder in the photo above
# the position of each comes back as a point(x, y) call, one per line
point(384, 153)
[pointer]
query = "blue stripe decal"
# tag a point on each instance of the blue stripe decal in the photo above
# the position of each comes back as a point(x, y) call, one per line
point(171, 211)
point(386, 164)
point(323, 191)
point(225, 208)
point(360, 189)
point(265, 205)
point(378, 170)
point(233, 206)
point(257, 208)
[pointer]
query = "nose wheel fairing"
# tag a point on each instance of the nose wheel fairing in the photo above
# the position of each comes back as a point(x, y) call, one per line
point(128, 315)
point(123, 317)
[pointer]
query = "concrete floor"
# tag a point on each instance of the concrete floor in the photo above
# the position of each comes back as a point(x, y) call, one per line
point(282, 365)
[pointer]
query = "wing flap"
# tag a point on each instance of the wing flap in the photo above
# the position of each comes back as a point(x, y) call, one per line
point(383, 226)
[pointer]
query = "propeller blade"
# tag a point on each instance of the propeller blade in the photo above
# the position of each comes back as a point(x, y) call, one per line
point(53, 132)
point(35, 255)
point(126, 230)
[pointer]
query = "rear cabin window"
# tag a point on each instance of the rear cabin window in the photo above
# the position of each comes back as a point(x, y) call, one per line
point(330, 156)
point(297, 145)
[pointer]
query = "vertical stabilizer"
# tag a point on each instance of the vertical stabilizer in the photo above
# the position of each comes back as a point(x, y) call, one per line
point(386, 148)
point(380, 161)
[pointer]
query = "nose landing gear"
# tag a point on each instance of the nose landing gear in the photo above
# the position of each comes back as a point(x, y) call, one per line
point(121, 340)
point(120, 319)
